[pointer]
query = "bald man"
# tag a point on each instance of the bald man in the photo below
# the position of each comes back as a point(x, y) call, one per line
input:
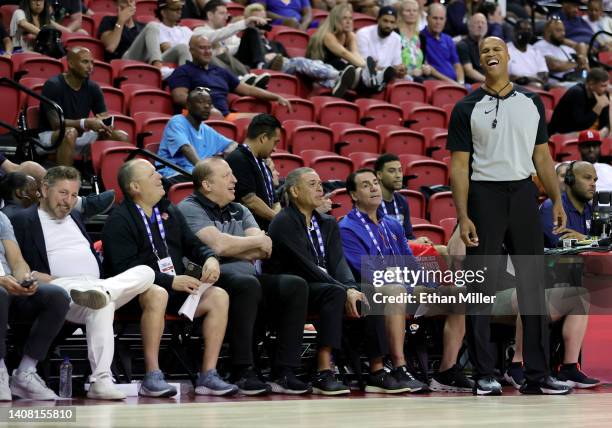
point(580, 179)
point(467, 48)
point(78, 96)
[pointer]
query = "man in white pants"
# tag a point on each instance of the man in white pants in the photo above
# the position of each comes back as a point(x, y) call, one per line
point(58, 250)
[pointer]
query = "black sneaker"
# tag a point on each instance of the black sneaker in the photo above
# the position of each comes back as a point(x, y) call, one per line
point(346, 80)
point(98, 204)
point(388, 75)
point(371, 64)
point(287, 383)
point(514, 375)
point(405, 379)
point(262, 80)
point(250, 384)
point(451, 380)
point(325, 383)
point(546, 386)
point(574, 377)
point(487, 386)
point(384, 383)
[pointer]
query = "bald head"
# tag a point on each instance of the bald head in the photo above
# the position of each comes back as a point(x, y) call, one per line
point(201, 50)
point(477, 26)
point(33, 169)
point(436, 19)
point(585, 177)
point(80, 62)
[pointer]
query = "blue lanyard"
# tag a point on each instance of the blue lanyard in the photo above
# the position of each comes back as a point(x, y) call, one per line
point(372, 237)
point(267, 177)
point(397, 212)
point(317, 229)
point(160, 225)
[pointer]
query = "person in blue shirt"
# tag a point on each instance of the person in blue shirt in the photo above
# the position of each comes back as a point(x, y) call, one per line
point(576, 28)
point(292, 13)
point(378, 241)
point(186, 140)
point(580, 179)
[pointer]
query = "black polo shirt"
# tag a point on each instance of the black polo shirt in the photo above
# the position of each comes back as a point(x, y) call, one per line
point(468, 52)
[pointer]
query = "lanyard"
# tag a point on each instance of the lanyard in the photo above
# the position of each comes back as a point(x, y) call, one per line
point(317, 229)
point(267, 177)
point(395, 207)
point(160, 225)
point(372, 237)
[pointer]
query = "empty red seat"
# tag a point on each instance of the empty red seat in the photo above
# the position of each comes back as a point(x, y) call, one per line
point(423, 172)
point(301, 135)
point(154, 100)
point(235, 9)
point(225, 128)
point(292, 37)
point(559, 140)
point(441, 206)
point(363, 159)
point(102, 73)
point(557, 92)
point(342, 198)
point(436, 142)
point(32, 115)
point(36, 66)
point(329, 166)
point(331, 109)
point(11, 103)
point(431, 231)
point(361, 20)
point(401, 90)
point(110, 161)
point(114, 99)
point(569, 151)
point(126, 124)
point(447, 94)
point(6, 67)
point(418, 220)
point(301, 109)
point(420, 116)
point(126, 71)
point(286, 162)
point(99, 146)
point(103, 6)
point(448, 224)
point(192, 23)
point(6, 13)
point(547, 98)
point(416, 202)
point(95, 46)
point(373, 113)
point(179, 191)
point(250, 105)
point(281, 83)
point(146, 7)
point(350, 137)
point(397, 139)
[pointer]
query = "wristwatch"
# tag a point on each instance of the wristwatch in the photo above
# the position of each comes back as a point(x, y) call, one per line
point(118, 26)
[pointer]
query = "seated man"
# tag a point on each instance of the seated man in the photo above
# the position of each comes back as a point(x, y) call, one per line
point(367, 234)
point(78, 96)
point(292, 13)
point(560, 170)
point(70, 14)
point(43, 306)
point(187, 139)
point(201, 73)
point(589, 145)
point(144, 214)
point(231, 231)
point(307, 244)
point(526, 66)
point(18, 191)
point(576, 28)
point(119, 33)
point(599, 21)
point(255, 186)
point(56, 246)
point(468, 51)
point(439, 49)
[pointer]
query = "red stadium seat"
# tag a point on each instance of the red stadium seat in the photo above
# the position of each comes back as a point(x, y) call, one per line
point(242, 125)
point(152, 147)
point(36, 66)
point(373, 113)
point(604, 56)
point(103, 6)
point(192, 23)
point(98, 147)
point(557, 92)
point(436, 142)
point(331, 109)
point(448, 224)
point(329, 166)
point(569, 151)
point(448, 109)
point(99, 16)
point(363, 159)
point(94, 45)
point(225, 128)
point(431, 85)
point(361, 20)
point(547, 98)
point(423, 172)
point(301, 135)
point(145, 19)
point(559, 141)
point(396, 139)
point(431, 231)
point(318, 14)
point(416, 202)
point(126, 124)
point(114, 99)
point(418, 220)
point(110, 161)
point(6, 67)
point(301, 110)
point(102, 73)
point(7, 11)
point(153, 100)
point(292, 38)
point(146, 7)
point(420, 116)
point(11, 102)
point(286, 162)
point(127, 71)
point(32, 114)
point(35, 84)
point(281, 83)
point(235, 9)
point(179, 191)
point(250, 105)
point(447, 94)
point(350, 137)
point(441, 206)
point(401, 90)
point(150, 127)
point(342, 198)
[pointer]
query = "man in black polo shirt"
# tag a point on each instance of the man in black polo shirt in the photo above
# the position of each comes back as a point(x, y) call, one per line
point(255, 187)
point(467, 48)
point(119, 32)
point(497, 136)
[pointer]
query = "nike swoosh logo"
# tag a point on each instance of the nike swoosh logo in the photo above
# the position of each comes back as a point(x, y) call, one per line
point(487, 112)
point(233, 214)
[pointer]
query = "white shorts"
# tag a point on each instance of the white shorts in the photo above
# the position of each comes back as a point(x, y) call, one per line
point(82, 141)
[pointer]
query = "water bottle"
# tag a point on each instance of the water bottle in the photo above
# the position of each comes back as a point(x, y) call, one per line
point(65, 389)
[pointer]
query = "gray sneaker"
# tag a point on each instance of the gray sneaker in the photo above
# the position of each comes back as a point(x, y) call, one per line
point(154, 385)
point(91, 297)
point(210, 383)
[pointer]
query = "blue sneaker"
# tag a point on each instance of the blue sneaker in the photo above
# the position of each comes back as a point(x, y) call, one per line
point(154, 385)
point(514, 375)
point(210, 383)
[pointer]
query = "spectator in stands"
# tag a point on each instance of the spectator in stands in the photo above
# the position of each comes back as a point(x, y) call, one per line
point(201, 73)
point(43, 306)
point(335, 43)
point(598, 21)
point(468, 51)
point(230, 230)
point(583, 106)
point(527, 66)
point(589, 144)
point(18, 191)
point(409, 26)
point(119, 33)
point(70, 13)
point(193, 9)
point(566, 59)
point(457, 16)
point(307, 244)
point(381, 43)
point(560, 170)
point(56, 246)
point(440, 51)
point(6, 46)
point(292, 13)
point(256, 51)
point(576, 28)
point(367, 234)
point(495, 20)
point(28, 20)
point(78, 96)
point(187, 139)
point(148, 230)
point(254, 187)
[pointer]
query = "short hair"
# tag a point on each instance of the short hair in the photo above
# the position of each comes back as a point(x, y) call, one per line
point(351, 184)
point(203, 170)
point(597, 75)
point(293, 178)
point(383, 159)
point(253, 7)
point(488, 8)
point(126, 175)
point(212, 6)
point(263, 124)
point(58, 173)
point(11, 182)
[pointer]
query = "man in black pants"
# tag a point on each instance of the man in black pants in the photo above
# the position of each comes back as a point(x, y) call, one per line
point(498, 138)
point(231, 231)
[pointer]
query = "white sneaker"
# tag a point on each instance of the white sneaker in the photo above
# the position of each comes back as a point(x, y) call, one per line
point(5, 391)
point(29, 385)
point(93, 298)
point(104, 389)
point(166, 72)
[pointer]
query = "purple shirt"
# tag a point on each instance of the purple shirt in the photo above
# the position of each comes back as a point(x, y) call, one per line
point(441, 53)
point(576, 29)
point(291, 10)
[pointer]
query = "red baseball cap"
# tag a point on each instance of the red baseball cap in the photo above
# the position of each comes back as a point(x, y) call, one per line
point(589, 136)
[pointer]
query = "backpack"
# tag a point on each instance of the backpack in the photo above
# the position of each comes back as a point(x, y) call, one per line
point(49, 42)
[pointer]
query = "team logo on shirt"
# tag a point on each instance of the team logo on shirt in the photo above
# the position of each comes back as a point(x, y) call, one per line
point(165, 216)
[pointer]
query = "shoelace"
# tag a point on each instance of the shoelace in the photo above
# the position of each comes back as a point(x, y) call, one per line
point(407, 373)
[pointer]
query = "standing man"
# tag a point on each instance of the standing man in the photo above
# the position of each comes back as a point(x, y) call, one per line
point(498, 139)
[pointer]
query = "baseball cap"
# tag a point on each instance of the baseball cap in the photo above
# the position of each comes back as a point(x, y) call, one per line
point(589, 136)
point(387, 10)
point(166, 3)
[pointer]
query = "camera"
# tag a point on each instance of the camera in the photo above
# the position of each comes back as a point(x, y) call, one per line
point(601, 223)
point(265, 27)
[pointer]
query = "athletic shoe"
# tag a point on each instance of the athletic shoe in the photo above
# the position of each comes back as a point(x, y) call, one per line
point(276, 63)
point(5, 390)
point(405, 379)
point(248, 79)
point(262, 80)
point(371, 72)
point(28, 384)
point(451, 380)
point(383, 77)
point(514, 375)
point(92, 298)
point(384, 383)
point(98, 204)
point(325, 383)
point(346, 79)
point(154, 385)
point(250, 384)
point(287, 383)
point(210, 383)
point(574, 377)
point(487, 386)
point(104, 389)
point(547, 386)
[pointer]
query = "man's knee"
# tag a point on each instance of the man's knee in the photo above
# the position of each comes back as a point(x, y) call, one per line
point(151, 28)
point(218, 297)
point(70, 137)
point(154, 299)
point(55, 297)
point(4, 298)
point(247, 286)
point(294, 288)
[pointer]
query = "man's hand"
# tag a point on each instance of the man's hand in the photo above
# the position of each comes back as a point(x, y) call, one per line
point(468, 232)
point(253, 21)
point(352, 297)
point(265, 245)
point(291, 22)
point(572, 234)
point(125, 14)
point(96, 124)
point(326, 206)
point(210, 271)
point(424, 240)
point(400, 71)
point(186, 284)
point(14, 288)
point(559, 218)
point(426, 69)
point(285, 103)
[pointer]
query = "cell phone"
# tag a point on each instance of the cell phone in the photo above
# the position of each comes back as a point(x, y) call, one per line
point(109, 121)
point(193, 270)
point(27, 283)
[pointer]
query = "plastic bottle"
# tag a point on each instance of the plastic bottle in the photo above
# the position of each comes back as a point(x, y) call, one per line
point(65, 389)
